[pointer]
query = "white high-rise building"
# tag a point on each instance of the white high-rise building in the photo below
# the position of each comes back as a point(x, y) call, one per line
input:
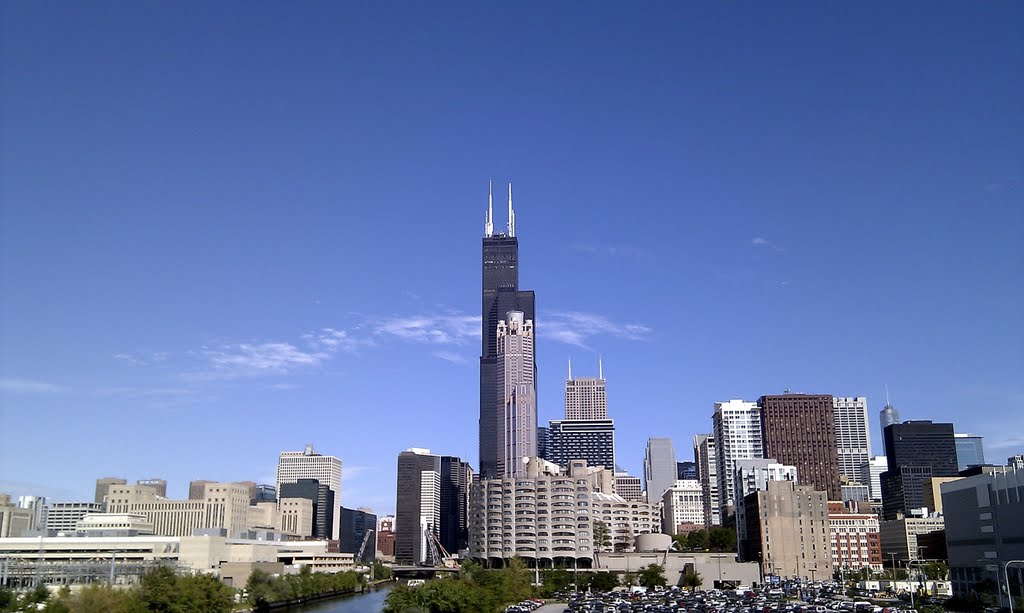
point(517, 392)
point(307, 464)
point(853, 438)
point(737, 437)
point(586, 398)
point(875, 467)
point(659, 468)
point(753, 475)
point(683, 503)
point(705, 454)
point(430, 509)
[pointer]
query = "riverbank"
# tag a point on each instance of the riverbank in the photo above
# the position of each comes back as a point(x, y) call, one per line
point(311, 600)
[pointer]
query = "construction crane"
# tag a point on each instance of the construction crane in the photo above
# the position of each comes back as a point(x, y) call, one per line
point(362, 549)
point(439, 556)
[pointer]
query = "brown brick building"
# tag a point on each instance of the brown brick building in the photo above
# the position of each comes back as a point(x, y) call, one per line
point(799, 430)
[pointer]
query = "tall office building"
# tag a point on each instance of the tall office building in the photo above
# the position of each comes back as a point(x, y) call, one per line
point(659, 468)
point(799, 430)
point(103, 487)
point(853, 440)
point(432, 494)
point(682, 507)
point(456, 481)
point(706, 456)
point(875, 467)
point(969, 450)
point(501, 295)
point(307, 464)
point(915, 452)
point(888, 416)
point(629, 487)
point(543, 443)
point(517, 392)
point(322, 498)
point(355, 524)
point(592, 440)
point(785, 527)
point(753, 475)
point(586, 398)
point(738, 436)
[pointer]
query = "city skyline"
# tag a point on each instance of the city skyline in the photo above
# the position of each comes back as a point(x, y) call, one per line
point(247, 232)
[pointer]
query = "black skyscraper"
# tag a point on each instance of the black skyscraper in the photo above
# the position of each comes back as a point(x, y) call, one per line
point(501, 294)
point(915, 451)
point(323, 503)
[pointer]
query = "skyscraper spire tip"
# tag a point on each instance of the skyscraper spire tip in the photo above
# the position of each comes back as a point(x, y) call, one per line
point(489, 220)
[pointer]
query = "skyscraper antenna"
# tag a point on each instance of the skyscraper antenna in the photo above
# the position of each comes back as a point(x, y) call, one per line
point(570, 368)
point(887, 395)
point(511, 214)
point(489, 222)
point(600, 367)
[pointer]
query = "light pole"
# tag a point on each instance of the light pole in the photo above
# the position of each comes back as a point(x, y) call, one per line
point(1006, 576)
point(113, 555)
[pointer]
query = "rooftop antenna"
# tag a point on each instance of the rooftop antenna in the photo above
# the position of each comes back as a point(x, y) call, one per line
point(570, 368)
point(489, 222)
point(887, 395)
point(600, 367)
point(511, 214)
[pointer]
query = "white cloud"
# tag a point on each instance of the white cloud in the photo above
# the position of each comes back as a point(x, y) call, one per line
point(28, 386)
point(353, 472)
point(575, 327)
point(260, 359)
point(759, 241)
point(442, 329)
point(451, 356)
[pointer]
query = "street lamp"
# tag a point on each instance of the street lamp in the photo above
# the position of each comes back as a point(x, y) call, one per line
point(1006, 576)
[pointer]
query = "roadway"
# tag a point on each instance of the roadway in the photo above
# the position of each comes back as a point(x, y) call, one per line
point(551, 608)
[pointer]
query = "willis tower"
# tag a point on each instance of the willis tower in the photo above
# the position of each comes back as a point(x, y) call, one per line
point(501, 294)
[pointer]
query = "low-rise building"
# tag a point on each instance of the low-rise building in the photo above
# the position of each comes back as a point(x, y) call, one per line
point(63, 517)
point(629, 487)
point(114, 524)
point(855, 540)
point(14, 520)
point(984, 529)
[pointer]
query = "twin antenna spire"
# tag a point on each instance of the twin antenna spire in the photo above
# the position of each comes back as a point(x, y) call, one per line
point(489, 220)
point(600, 368)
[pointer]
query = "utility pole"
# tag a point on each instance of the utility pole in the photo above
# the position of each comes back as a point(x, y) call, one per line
point(1006, 575)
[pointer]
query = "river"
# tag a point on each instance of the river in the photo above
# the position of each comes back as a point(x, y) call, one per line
point(370, 602)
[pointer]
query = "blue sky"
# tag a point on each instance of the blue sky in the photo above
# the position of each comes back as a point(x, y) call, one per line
point(228, 229)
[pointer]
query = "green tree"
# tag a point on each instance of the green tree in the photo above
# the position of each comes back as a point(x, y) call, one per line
point(722, 539)
point(555, 580)
point(157, 590)
point(602, 536)
point(692, 579)
point(203, 593)
point(259, 589)
point(603, 581)
point(380, 571)
point(698, 539)
point(628, 579)
point(937, 571)
point(652, 575)
point(7, 598)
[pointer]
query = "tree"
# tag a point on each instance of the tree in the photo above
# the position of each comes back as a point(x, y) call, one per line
point(380, 571)
point(603, 581)
point(722, 539)
point(555, 580)
point(602, 535)
point(260, 589)
point(652, 575)
point(628, 579)
point(692, 579)
point(157, 590)
point(203, 593)
point(698, 539)
point(937, 571)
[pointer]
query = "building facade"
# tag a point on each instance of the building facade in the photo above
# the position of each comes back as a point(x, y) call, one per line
point(856, 543)
point(686, 470)
point(681, 506)
point(705, 453)
point(456, 482)
point(517, 393)
point(223, 506)
point(308, 464)
point(592, 440)
point(799, 430)
point(547, 516)
point(853, 440)
point(970, 450)
point(63, 517)
point(14, 520)
point(629, 487)
point(659, 468)
point(103, 487)
point(737, 431)
point(159, 485)
point(419, 473)
point(984, 529)
point(900, 536)
point(785, 527)
point(357, 525)
point(876, 466)
point(915, 451)
point(501, 295)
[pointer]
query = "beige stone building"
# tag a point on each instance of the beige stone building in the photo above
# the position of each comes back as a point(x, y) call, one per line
point(933, 493)
point(548, 515)
point(786, 528)
point(14, 520)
